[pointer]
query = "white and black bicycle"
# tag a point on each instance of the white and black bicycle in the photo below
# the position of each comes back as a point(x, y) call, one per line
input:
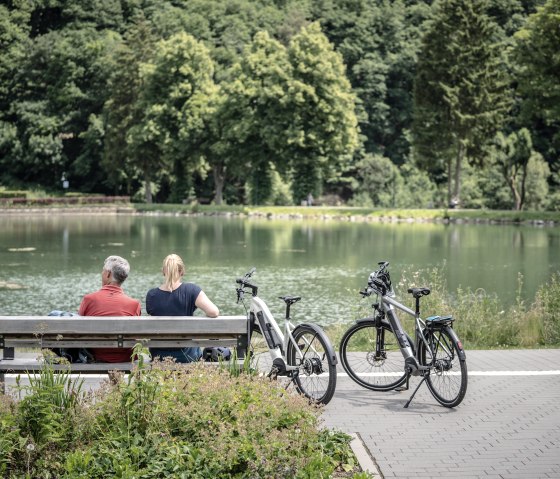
point(301, 353)
point(377, 353)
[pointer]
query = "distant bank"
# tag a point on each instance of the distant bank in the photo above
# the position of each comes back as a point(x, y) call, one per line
point(340, 213)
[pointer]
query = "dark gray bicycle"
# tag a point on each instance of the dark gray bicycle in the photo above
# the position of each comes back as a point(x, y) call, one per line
point(377, 353)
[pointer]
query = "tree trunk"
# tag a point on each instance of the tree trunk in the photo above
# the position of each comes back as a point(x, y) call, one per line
point(147, 186)
point(516, 196)
point(458, 162)
point(523, 180)
point(219, 173)
point(449, 180)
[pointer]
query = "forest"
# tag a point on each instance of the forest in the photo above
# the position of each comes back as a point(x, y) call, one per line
point(375, 103)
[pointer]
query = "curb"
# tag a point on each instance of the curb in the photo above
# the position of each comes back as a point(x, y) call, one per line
point(364, 457)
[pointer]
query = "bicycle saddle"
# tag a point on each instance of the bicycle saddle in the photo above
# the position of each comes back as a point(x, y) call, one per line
point(419, 292)
point(290, 299)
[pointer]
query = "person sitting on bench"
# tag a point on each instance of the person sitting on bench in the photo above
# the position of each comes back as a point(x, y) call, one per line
point(110, 300)
point(175, 298)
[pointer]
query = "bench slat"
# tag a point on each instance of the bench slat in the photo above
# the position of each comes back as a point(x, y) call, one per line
point(142, 325)
point(93, 343)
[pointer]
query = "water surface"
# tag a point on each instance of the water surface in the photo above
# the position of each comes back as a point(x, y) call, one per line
point(59, 258)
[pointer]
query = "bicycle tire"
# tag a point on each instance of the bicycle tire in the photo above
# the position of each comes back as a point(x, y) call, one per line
point(316, 376)
point(448, 379)
point(358, 357)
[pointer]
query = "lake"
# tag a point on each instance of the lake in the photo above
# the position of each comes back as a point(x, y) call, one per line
point(58, 258)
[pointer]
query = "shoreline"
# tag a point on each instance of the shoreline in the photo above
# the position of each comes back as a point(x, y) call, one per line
point(317, 213)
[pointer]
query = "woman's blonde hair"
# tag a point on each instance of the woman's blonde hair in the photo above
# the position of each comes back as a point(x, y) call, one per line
point(173, 269)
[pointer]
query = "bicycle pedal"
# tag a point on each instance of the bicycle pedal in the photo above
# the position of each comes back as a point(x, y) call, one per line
point(400, 389)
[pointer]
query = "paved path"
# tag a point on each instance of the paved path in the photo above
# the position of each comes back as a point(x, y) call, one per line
point(508, 425)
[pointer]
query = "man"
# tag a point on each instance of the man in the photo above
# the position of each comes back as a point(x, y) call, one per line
point(110, 300)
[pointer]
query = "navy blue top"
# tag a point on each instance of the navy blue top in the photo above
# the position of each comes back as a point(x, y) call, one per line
point(179, 302)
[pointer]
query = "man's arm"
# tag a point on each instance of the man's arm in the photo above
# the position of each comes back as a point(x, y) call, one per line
point(84, 307)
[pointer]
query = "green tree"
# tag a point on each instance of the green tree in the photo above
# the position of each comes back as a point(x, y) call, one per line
point(379, 42)
point(322, 133)
point(175, 100)
point(513, 154)
point(460, 92)
point(293, 108)
point(538, 75)
point(123, 110)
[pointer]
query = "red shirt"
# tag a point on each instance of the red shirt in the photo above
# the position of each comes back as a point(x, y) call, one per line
point(110, 300)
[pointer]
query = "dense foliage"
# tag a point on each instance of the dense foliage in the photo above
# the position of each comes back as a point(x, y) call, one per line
point(388, 103)
point(169, 421)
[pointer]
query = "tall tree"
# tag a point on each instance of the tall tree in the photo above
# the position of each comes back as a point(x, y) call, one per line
point(294, 108)
point(379, 42)
point(538, 75)
point(175, 98)
point(123, 110)
point(460, 92)
point(323, 130)
point(513, 154)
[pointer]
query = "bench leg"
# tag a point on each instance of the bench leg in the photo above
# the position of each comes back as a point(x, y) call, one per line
point(2, 383)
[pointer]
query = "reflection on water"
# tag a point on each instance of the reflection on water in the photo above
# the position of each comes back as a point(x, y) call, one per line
point(59, 258)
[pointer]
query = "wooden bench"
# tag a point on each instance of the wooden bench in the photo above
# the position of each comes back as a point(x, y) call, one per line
point(112, 332)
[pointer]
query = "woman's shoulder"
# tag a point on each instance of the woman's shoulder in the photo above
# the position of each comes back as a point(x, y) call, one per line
point(191, 288)
point(154, 292)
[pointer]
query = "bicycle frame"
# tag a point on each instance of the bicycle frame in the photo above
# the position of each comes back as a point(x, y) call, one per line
point(269, 327)
point(389, 305)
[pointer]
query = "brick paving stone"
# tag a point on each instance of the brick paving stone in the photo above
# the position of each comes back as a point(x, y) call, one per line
point(507, 426)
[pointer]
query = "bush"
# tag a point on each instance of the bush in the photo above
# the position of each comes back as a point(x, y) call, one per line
point(181, 421)
point(548, 304)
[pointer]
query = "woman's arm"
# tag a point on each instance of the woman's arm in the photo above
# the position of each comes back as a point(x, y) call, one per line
point(209, 308)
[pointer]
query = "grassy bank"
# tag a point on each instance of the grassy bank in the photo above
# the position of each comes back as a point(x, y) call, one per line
point(366, 214)
point(481, 321)
point(344, 213)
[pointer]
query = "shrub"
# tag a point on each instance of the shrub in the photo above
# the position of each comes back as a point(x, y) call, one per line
point(547, 302)
point(181, 421)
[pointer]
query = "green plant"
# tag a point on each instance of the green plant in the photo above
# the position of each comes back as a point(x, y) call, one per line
point(547, 302)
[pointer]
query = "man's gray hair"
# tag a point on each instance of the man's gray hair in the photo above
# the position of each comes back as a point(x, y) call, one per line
point(118, 267)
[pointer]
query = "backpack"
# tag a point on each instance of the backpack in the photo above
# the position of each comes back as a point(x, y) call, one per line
point(216, 354)
point(72, 355)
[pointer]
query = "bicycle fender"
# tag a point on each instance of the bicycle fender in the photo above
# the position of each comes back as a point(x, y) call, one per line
point(321, 333)
point(453, 334)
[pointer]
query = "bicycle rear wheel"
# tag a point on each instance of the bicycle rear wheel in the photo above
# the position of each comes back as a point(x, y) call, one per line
point(379, 368)
point(447, 380)
point(316, 374)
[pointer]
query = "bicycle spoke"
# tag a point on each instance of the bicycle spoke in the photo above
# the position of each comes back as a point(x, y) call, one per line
point(447, 380)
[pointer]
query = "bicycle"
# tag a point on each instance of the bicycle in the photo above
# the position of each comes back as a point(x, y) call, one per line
point(302, 353)
point(379, 355)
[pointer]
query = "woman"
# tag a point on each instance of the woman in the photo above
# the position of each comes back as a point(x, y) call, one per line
point(175, 298)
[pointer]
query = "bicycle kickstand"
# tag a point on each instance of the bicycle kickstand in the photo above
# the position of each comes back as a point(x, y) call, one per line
point(415, 391)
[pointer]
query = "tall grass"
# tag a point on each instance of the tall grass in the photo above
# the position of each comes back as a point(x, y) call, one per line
point(481, 320)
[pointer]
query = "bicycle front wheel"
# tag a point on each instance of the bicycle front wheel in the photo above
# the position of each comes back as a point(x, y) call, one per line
point(315, 377)
point(260, 361)
point(372, 357)
point(447, 380)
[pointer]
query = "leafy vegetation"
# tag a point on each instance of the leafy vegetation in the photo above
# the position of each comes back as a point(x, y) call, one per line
point(380, 104)
point(481, 319)
point(190, 421)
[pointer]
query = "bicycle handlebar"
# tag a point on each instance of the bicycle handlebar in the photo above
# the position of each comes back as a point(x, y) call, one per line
point(379, 281)
point(244, 282)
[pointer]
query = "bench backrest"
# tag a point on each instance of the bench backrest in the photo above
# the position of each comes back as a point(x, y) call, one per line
point(122, 331)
